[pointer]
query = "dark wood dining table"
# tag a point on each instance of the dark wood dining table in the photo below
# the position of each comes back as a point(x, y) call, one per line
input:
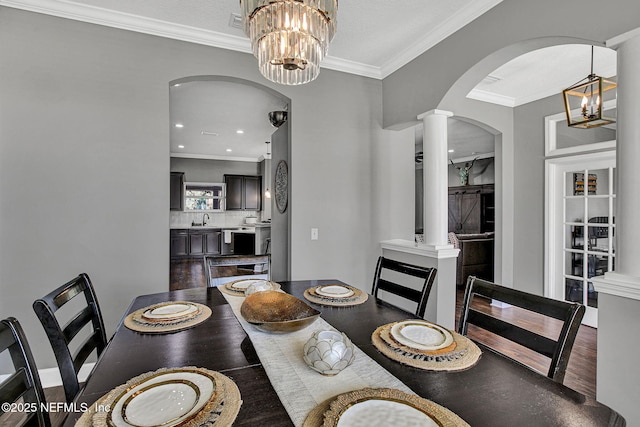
point(495, 392)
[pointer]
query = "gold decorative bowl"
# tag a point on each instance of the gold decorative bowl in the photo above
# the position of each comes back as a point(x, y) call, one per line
point(277, 312)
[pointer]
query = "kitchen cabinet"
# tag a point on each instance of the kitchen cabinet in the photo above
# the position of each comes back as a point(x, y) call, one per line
point(176, 194)
point(244, 192)
point(185, 243)
point(179, 243)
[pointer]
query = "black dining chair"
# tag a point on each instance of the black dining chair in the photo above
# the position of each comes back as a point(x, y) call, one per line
point(60, 337)
point(221, 269)
point(23, 385)
point(403, 269)
point(558, 350)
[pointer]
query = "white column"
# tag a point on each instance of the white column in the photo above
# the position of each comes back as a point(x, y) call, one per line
point(619, 291)
point(436, 185)
point(628, 158)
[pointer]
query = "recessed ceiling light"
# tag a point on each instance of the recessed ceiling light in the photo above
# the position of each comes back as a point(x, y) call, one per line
point(180, 146)
point(229, 150)
point(451, 151)
point(206, 132)
point(176, 85)
point(239, 131)
point(179, 125)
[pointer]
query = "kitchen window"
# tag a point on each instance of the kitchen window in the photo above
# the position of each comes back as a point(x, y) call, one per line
point(204, 196)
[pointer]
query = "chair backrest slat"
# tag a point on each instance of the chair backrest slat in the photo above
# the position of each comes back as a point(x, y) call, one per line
point(60, 337)
point(427, 274)
point(558, 350)
point(524, 337)
point(24, 383)
point(75, 325)
point(235, 267)
point(14, 386)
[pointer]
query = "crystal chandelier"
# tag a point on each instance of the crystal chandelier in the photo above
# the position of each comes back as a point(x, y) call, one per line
point(583, 101)
point(289, 37)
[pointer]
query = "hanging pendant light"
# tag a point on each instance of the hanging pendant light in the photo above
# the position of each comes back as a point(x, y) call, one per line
point(289, 37)
point(583, 101)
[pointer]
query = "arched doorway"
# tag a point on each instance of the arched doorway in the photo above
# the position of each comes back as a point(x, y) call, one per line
point(219, 127)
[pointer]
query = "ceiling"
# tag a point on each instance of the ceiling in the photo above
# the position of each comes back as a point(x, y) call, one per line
point(542, 73)
point(211, 113)
point(391, 41)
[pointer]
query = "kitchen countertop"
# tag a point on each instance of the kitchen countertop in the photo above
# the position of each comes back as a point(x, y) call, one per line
point(246, 228)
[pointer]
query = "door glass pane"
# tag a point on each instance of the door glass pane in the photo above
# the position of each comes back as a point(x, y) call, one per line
point(598, 265)
point(598, 181)
point(574, 209)
point(573, 290)
point(598, 207)
point(575, 183)
point(576, 239)
point(574, 264)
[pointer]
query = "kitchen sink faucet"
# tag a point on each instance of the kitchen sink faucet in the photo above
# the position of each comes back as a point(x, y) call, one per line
point(203, 220)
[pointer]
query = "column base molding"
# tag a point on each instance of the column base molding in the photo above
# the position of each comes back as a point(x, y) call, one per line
point(431, 251)
point(618, 284)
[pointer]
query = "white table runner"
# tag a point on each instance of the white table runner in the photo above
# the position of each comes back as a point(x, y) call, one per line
point(299, 387)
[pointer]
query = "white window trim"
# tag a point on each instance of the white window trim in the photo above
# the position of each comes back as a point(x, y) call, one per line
point(550, 145)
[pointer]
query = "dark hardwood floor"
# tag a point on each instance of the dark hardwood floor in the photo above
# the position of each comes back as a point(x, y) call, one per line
point(186, 274)
point(581, 372)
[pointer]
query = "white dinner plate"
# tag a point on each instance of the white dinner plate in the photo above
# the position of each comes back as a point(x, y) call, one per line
point(334, 291)
point(170, 311)
point(421, 335)
point(241, 285)
point(162, 400)
point(384, 413)
point(160, 404)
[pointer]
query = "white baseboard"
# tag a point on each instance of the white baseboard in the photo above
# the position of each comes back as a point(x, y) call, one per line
point(500, 304)
point(50, 377)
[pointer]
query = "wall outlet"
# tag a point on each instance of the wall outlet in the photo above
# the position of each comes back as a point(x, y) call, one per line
point(314, 234)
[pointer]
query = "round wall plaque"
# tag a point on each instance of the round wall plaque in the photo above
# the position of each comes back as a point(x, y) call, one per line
point(282, 186)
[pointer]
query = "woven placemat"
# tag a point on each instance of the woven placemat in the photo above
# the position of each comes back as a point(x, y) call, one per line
point(462, 356)
point(327, 414)
point(136, 322)
point(221, 410)
point(358, 296)
point(228, 289)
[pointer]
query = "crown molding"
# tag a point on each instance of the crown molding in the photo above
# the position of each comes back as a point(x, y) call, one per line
point(351, 67)
point(125, 21)
point(457, 21)
point(491, 97)
point(140, 24)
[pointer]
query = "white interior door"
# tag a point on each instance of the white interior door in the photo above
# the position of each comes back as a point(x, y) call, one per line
point(580, 215)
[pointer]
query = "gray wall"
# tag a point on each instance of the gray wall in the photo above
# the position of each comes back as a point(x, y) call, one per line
point(567, 136)
point(84, 163)
point(528, 136)
point(508, 23)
